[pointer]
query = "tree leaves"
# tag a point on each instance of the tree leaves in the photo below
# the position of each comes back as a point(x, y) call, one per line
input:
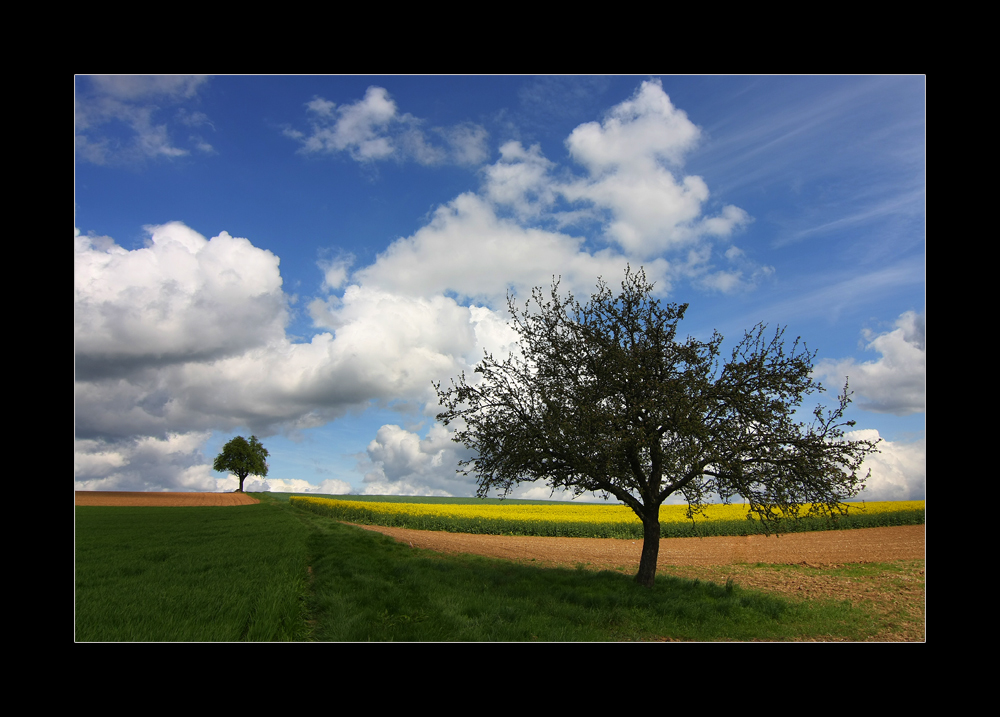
point(242, 458)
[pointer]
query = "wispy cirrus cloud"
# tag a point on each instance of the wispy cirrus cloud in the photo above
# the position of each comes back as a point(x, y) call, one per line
point(130, 119)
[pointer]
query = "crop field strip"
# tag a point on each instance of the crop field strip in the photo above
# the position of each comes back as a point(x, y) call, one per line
point(591, 520)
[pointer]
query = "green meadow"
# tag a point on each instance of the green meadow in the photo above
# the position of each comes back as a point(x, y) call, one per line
point(273, 572)
point(206, 573)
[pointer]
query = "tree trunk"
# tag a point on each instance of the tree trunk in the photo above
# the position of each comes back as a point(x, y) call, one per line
point(650, 551)
point(240, 489)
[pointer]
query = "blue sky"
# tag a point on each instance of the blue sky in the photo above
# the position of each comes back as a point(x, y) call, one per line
point(299, 257)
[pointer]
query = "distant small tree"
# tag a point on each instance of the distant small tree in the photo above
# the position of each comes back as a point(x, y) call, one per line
point(242, 458)
point(604, 398)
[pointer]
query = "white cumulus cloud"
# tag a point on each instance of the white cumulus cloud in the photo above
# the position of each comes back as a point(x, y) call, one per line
point(898, 471)
point(632, 157)
point(401, 463)
point(180, 298)
point(372, 129)
point(282, 485)
point(467, 249)
point(175, 462)
point(896, 382)
point(188, 334)
point(519, 179)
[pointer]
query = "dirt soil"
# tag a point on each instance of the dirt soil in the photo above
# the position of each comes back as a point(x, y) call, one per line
point(814, 548)
point(820, 565)
point(162, 499)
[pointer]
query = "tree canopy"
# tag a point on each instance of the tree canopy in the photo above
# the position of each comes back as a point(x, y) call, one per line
point(605, 398)
point(242, 458)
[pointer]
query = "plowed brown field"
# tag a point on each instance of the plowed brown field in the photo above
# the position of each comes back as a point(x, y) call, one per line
point(815, 548)
point(162, 499)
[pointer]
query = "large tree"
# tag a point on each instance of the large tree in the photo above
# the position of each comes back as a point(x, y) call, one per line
point(242, 458)
point(604, 398)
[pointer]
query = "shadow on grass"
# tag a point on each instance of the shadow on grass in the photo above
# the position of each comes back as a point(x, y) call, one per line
point(367, 586)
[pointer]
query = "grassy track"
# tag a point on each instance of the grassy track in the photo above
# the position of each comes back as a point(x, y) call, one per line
point(227, 574)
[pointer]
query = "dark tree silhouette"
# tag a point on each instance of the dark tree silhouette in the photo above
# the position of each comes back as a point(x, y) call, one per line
point(604, 398)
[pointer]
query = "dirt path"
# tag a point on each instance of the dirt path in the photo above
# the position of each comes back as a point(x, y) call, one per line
point(163, 499)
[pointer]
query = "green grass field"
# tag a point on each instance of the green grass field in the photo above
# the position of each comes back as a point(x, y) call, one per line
point(271, 572)
point(227, 573)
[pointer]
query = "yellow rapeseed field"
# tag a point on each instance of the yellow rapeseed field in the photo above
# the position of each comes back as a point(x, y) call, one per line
point(566, 512)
